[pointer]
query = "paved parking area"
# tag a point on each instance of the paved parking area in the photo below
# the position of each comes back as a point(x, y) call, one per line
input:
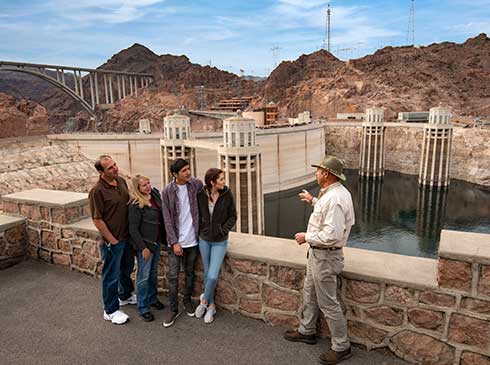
point(49, 315)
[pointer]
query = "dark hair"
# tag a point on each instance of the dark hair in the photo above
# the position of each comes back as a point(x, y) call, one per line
point(177, 165)
point(211, 176)
point(98, 162)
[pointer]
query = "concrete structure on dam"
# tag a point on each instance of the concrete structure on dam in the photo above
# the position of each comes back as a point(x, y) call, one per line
point(436, 149)
point(372, 144)
point(287, 153)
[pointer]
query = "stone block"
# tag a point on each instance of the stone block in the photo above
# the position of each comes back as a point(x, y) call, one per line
point(248, 266)
point(398, 295)
point(11, 208)
point(278, 299)
point(278, 319)
point(484, 281)
point(91, 248)
point(32, 251)
point(385, 315)
point(469, 331)
point(287, 277)
point(225, 294)
point(58, 216)
point(72, 214)
point(470, 358)
point(246, 285)
point(362, 291)
point(454, 274)
point(421, 349)
point(44, 255)
point(61, 259)
point(48, 239)
point(425, 318)
point(476, 305)
point(30, 211)
point(64, 245)
point(437, 299)
point(15, 234)
point(33, 236)
point(45, 216)
point(250, 305)
point(16, 249)
point(83, 261)
point(366, 332)
point(67, 233)
point(3, 246)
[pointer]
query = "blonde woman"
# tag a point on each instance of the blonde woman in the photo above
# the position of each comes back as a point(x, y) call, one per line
point(147, 232)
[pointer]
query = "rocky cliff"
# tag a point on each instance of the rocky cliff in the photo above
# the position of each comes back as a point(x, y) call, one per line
point(397, 78)
point(21, 117)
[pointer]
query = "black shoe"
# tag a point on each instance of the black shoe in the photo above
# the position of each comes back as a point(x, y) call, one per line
point(295, 336)
point(147, 317)
point(169, 318)
point(190, 309)
point(157, 305)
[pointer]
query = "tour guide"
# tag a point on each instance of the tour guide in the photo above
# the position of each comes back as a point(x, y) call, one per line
point(328, 229)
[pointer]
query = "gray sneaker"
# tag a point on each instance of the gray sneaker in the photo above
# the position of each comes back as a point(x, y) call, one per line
point(209, 317)
point(201, 308)
point(169, 318)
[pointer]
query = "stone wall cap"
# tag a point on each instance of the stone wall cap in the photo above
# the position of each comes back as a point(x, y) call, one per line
point(8, 221)
point(409, 271)
point(465, 246)
point(48, 198)
point(86, 225)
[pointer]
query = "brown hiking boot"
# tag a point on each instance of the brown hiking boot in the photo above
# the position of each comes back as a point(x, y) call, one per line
point(295, 336)
point(334, 357)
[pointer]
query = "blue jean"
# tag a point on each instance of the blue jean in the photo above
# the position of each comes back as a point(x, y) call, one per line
point(111, 270)
point(212, 254)
point(126, 286)
point(146, 280)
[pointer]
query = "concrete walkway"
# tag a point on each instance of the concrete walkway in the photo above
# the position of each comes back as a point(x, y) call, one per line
point(49, 315)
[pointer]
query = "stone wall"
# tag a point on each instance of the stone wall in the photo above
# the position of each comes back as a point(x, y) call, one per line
point(426, 311)
point(469, 157)
point(12, 241)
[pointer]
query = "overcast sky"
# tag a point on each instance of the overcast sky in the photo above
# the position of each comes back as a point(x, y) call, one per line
point(231, 35)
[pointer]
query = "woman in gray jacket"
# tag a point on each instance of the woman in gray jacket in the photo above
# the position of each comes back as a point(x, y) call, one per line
point(147, 232)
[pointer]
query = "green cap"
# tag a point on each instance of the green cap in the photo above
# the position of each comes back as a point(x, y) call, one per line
point(333, 165)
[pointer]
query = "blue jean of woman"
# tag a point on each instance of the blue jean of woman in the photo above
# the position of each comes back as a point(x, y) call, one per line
point(212, 254)
point(146, 280)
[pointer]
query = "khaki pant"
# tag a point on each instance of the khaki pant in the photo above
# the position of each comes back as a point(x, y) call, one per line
point(320, 294)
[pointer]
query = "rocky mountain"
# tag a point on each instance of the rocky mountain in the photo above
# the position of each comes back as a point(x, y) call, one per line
point(21, 117)
point(397, 78)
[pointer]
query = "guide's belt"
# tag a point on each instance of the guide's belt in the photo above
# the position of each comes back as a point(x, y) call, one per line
point(326, 248)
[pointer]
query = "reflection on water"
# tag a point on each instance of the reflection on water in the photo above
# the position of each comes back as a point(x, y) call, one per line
point(392, 215)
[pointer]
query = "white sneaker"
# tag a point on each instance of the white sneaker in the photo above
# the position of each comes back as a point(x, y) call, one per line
point(201, 308)
point(209, 317)
point(118, 317)
point(131, 300)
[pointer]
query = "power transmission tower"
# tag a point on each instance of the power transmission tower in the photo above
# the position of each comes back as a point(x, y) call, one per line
point(411, 24)
point(326, 39)
point(275, 54)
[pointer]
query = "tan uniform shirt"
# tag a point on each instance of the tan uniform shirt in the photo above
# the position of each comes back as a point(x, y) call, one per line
point(332, 218)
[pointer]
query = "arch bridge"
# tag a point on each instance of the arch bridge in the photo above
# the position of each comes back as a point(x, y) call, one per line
point(90, 87)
